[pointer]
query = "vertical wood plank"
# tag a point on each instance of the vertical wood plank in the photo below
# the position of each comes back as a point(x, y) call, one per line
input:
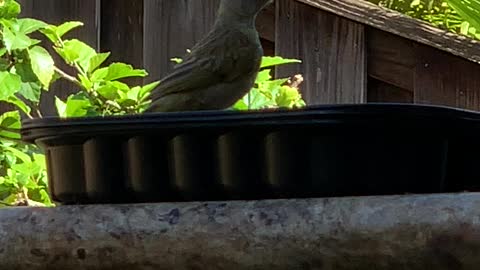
point(121, 32)
point(332, 49)
point(172, 27)
point(444, 79)
point(57, 12)
point(266, 23)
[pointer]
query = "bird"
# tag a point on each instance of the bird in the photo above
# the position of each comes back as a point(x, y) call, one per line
point(221, 68)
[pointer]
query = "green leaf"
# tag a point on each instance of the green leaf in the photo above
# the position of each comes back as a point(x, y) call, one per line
point(17, 153)
point(16, 41)
point(50, 32)
point(4, 64)
point(472, 31)
point(415, 3)
point(31, 91)
point(40, 159)
point(176, 60)
point(27, 168)
point(11, 199)
point(63, 29)
point(113, 90)
point(10, 120)
point(263, 76)
point(45, 198)
point(19, 104)
point(469, 10)
point(9, 9)
point(99, 75)
point(126, 102)
point(146, 89)
point(10, 124)
point(9, 84)
point(134, 93)
point(257, 100)
point(76, 51)
point(241, 105)
point(108, 91)
point(42, 65)
point(3, 51)
point(119, 85)
point(76, 106)
point(120, 70)
point(28, 25)
point(24, 70)
point(86, 83)
point(61, 107)
point(287, 97)
point(97, 60)
point(56, 33)
point(268, 61)
point(464, 28)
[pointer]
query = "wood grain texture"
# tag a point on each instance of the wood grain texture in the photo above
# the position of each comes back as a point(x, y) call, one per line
point(172, 27)
point(266, 23)
point(443, 79)
point(379, 91)
point(332, 49)
point(391, 58)
point(121, 32)
point(57, 12)
point(396, 23)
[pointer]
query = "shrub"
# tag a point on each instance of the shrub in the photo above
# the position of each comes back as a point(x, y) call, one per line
point(27, 68)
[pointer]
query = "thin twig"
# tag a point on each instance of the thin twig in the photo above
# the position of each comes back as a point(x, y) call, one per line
point(67, 77)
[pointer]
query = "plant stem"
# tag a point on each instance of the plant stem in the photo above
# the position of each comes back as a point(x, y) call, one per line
point(67, 77)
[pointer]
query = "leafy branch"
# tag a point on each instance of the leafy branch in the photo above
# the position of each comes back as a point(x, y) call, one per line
point(27, 69)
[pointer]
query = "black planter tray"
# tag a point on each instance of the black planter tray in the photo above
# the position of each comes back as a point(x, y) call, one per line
point(322, 151)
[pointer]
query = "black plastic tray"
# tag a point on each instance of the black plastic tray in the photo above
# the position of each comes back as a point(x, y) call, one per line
point(322, 151)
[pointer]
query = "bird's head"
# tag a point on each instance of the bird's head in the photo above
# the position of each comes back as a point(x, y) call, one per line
point(244, 8)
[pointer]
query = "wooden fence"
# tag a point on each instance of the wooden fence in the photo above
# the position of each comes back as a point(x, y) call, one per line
point(352, 51)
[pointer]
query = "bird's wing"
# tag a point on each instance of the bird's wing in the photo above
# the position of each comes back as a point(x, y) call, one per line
point(219, 59)
point(193, 73)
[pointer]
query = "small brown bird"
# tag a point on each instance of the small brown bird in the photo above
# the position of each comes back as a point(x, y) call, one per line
point(221, 68)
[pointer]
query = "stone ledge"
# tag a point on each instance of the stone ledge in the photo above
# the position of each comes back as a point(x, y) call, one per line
point(395, 232)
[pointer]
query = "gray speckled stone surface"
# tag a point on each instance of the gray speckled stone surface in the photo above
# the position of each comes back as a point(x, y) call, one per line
point(400, 232)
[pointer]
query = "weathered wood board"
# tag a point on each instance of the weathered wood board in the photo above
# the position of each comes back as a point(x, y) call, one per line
point(332, 49)
point(172, 27)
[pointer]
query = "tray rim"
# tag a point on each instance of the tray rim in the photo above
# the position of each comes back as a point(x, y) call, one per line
point(318, 114)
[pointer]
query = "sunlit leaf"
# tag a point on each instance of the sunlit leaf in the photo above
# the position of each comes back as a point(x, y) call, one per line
point(28, 25)
point(9, 9)
point(98, 60)
point(269, 61)
point(15, 41)
point(66, 27)
point(469, 10)
point(120, 70)
point(42, 65)
point(9, 84)
point(76, 51)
